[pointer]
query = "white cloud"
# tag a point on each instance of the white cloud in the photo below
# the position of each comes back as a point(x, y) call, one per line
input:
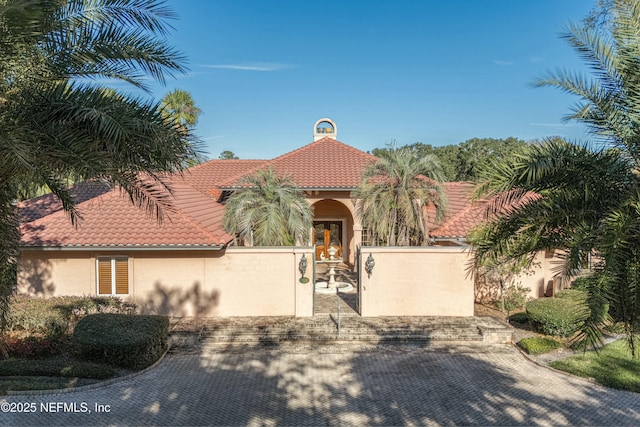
point(536, 59)
point(502, 63)
point(249, 67)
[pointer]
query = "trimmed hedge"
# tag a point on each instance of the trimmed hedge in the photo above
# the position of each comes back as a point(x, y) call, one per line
point(54, 317)
point(560, 316)
point(124, 340)
point(40, 327)
point(538, 345)
point(519, 318)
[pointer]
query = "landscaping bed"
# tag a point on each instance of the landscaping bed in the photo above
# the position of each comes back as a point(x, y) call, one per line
point(44, 354)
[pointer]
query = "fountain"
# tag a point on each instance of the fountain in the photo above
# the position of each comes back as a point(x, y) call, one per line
point(331, 286)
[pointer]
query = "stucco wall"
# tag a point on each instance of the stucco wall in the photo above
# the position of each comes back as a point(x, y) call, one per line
point(54, 273)
point(425, 281)
point(539, 279)
point(234, 282)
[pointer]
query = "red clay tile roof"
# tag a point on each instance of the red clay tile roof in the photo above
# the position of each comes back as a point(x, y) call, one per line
point(208, 176)
point(462, 214)
point(323, 164)
point(111, 220)
point(48, 204)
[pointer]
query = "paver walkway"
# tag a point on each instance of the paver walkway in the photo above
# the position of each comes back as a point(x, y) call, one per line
point(338, 385)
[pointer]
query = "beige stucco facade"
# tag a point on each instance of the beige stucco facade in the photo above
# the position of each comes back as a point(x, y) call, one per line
point(231, 282)
point(425, 281)
point(542, 279)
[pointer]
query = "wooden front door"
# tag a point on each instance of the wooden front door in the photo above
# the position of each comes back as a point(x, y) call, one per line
point(326, 234)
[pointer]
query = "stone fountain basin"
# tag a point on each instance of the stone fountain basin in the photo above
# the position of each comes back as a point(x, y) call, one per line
point(323, 287)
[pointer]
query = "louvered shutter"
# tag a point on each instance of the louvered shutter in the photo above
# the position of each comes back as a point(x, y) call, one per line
point(104, 276)
point(122, 276)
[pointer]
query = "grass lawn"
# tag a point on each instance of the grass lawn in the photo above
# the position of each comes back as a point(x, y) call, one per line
point(612, 366)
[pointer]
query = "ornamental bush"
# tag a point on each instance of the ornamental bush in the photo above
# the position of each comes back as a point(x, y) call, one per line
point(124, 340)
point(54, 317)
point(559, 316)
point(519, 318)
point(538, 345)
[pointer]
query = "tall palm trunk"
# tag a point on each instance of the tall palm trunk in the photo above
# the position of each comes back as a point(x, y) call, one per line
point(9, 244)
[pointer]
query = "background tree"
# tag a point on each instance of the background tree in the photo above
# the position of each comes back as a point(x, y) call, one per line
point(59, 121)
point(394, 195)
point(179, 106)
point(462, 162)
point(227, 155)
point(268, 210)
point(589, 198)
point(475, 153)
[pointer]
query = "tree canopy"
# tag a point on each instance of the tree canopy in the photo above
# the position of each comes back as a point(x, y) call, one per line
point(393, 197)
point(179, 106)
point(268, 210)
point(227, 155)
point(588, 196)
point(60, 119)
point(463, 161)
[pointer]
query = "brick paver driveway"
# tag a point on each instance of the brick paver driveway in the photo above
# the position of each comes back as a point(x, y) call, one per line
point(357, 385)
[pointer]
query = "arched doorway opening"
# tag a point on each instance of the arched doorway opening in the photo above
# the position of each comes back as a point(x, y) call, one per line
point(333, 226)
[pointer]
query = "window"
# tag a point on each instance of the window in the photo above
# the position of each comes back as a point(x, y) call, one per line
point(366, 238)
point(113, 275)
point(585, 261)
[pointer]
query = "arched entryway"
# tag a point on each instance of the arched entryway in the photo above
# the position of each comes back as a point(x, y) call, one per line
point(333, 226)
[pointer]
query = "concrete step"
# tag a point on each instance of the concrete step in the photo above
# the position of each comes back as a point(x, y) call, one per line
point(323, 329)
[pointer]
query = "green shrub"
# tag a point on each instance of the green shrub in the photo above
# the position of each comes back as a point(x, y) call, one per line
point(572, 294)
point(515, 297)
point(582, 283)
point(32, 346)
point(54, 317)
point(559, 316)
point(125, 340)
point(37, 316)
point(538, 345)
point(519, 318)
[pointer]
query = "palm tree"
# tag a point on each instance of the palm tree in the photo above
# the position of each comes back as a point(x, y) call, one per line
point(394, 197)
point(588, 199)
point(59, 120)
point(268, 210)
point(181, 108)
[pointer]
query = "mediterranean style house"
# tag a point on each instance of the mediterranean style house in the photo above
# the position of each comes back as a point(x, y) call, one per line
point(188, 265)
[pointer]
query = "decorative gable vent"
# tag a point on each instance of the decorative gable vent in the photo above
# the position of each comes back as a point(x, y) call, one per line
point(324, 128)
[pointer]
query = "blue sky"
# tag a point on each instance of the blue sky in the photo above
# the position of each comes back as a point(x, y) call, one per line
point(436, 72)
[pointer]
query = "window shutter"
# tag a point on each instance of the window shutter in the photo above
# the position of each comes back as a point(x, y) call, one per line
point(104, 276)
point(122, 276)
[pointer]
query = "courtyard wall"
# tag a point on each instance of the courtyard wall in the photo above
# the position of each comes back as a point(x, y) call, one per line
point(416, 281)
point(232, 282)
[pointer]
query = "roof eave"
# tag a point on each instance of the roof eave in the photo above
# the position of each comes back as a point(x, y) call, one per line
point(112, 248)
point(304, 188)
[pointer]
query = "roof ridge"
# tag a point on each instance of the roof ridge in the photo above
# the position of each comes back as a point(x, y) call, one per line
point(198, 224)
point(283, 157)
point(62, 211)
point(326, 139)
point(190, 218)
point(248, 172)
point(206, 163)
